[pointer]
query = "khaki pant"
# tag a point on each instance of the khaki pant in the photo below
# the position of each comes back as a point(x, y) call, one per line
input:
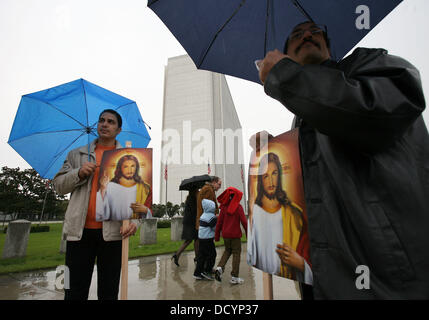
point(232, 246)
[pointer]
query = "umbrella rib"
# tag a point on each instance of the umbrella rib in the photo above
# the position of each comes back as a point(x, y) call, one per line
point(302, 10)
point(36, 133)
point(219, 31)
point(131, 102)
point(49, 104)
point(86, 104)
point(86, 111)
point(61, 152)
point(266, 28)
point(133, 132)
point(93, 125)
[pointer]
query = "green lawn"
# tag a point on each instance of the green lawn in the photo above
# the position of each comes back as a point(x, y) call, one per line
point(43, 249)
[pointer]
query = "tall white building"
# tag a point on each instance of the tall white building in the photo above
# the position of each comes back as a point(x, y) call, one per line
point(201, 129)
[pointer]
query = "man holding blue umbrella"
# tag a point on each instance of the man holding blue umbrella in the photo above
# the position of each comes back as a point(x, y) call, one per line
point(87, 239)
point(365, 158)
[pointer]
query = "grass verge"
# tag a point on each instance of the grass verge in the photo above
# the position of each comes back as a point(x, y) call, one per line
point(43, 249)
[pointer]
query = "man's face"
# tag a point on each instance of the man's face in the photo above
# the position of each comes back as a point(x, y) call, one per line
point(217, 185)
point(107, 127)
point(307, 45)
point(270, 180)
point(128, 169)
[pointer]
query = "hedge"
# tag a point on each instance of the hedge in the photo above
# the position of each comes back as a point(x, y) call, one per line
point(34, 229)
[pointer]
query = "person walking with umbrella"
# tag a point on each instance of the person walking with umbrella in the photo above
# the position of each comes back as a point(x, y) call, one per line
point(88, 240)
point(364, 154)
point(208, 191)
point(189, 232)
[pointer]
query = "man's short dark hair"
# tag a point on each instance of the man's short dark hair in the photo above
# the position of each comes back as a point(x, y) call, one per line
point(115, 113)
point(214, 179)
point(325, 36)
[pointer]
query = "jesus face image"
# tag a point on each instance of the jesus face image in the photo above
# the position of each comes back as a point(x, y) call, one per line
point(128, 169)
point(270, 180)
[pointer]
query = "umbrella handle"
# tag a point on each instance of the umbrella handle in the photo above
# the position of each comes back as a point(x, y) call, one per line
point(89, 155)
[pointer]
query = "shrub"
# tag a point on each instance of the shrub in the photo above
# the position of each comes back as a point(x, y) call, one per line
point(34, 229)
point(164, 224)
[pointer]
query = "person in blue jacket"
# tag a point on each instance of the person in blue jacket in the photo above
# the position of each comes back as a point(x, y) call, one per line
point(207, 252)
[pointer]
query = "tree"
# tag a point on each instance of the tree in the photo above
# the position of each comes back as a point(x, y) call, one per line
point(159, 210)
point(182, 208)
point(172, 209)
point(24, 191)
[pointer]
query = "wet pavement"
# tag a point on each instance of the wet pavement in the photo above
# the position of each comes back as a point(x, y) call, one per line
point(156, 278)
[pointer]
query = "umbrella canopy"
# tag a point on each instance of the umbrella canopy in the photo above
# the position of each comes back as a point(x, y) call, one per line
point(50, 123)
point(227, 36)
point(196, 182)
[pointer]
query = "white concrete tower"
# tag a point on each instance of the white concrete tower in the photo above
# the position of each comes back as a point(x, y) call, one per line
point(200, 128)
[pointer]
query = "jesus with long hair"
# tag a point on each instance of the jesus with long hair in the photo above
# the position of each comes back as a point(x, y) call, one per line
point(125, 194)
point(276, 220)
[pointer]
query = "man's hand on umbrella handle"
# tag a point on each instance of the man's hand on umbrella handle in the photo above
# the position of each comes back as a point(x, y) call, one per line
point(87, 169)
point(268, 63)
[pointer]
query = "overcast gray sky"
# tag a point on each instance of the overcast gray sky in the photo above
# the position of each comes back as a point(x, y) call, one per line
point(123, 47)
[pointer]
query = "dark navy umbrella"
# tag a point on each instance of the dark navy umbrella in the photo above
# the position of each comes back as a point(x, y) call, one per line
point(227, 36)
point(196, 182)
point(50, 123)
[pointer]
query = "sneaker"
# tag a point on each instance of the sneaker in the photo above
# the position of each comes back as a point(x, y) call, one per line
point(236, 280)
point(198, 276)
point(218, 274)
point(207, 275)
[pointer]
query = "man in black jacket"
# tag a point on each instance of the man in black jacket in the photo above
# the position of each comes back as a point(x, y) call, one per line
point(365, 158)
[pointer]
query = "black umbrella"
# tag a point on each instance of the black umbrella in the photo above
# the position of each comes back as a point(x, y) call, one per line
point(196, 182)
point(227, 36)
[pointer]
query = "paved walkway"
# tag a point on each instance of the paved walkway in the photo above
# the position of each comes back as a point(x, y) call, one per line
point(156, 278)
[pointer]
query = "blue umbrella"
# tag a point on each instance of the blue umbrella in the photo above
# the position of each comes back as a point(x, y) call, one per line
point(227, 36)
point(51, 122)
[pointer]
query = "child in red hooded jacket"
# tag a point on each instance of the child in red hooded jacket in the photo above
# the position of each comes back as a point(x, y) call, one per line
point(230, 217)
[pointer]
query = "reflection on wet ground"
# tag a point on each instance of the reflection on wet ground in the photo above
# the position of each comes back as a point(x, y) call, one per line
point(156, 278)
